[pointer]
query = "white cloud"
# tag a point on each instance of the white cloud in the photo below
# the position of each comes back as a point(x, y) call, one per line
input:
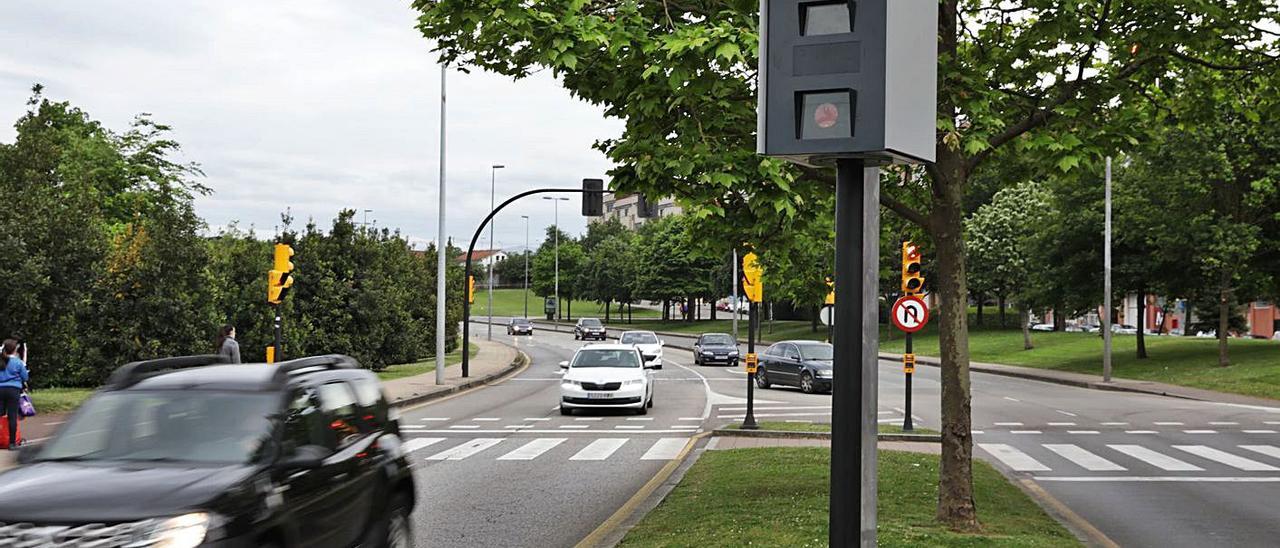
point(308, 105)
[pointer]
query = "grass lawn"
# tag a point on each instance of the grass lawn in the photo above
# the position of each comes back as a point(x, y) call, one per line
point(56, 400)
point(425, 366)
point(510, 302)
point(1186, 361)
point(826, 427)
point(777, 496)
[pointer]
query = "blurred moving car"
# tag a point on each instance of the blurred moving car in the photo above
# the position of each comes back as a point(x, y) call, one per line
point(806, 364)
point(649, 345)
point(520, 326)
point(589, 328)
point(711, 348)
point(606, 376)
point(189, 451)
point(1042, 327)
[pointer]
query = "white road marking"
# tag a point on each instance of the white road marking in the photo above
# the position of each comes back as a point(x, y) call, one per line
point(1024, 431)
point(1085, 459)
point(1259, 431)
point(533, 449)
point(1007, 423)
point(540, 419)
point(589, 419)
point(1082, 431)
point(465, 426)
point(689, 419)
point(976, 432)
point(1065, 413)
point(1062, 424)
point(1114, 423)
point(1216, 455)
point(486, 419)
point(1270, 422)
point(1156, 479)
point(665, 449)
point(434, 419)
point(599, 449)
point(640, 418)
point(1268, 450)
point(1223, 423)
point(1199, 431)
point(1159, 460)
point(518, 426)
point(1141, 432)
point(1167, 423)
point(466, 450)
point(1013, 399)
point(628, 427)
point(1013, 458)
point(575, 426)
point(413, 444)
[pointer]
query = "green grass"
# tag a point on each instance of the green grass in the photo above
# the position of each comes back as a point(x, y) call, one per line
point(777, 496)
point(58, 400)
point(782, 426)
point(510, 302)
point(1185, 361)
point(424, 366)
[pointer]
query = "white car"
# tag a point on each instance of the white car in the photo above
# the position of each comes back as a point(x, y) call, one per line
point(606, 376)
point(649, 345)
point(1042, 327)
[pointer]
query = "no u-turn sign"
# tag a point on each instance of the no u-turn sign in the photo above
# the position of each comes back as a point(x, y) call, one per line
point(910, 313)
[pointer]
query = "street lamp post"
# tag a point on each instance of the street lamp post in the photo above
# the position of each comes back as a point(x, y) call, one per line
point(1106, 283)
point(557, 201)
point(493, 177)
point(441, 247)
point(366, 217)
point(526, 265)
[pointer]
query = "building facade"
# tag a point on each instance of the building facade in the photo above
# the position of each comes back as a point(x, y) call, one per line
point(626, 209)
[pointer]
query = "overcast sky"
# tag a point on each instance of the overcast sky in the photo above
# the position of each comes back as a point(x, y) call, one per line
point(313, 105)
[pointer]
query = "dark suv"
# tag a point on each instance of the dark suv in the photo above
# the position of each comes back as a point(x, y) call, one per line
point(589, 328)
point(191, 452)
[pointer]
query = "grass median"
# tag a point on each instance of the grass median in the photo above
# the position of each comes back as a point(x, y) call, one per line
point(422, 366)
point(510, 302)
point(777, 496)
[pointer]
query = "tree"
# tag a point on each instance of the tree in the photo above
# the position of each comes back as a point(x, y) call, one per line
point(1000, 246)
point(510, 272)
point(1029, 76)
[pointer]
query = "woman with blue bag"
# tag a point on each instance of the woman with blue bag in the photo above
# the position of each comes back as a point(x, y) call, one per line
point(12, 380)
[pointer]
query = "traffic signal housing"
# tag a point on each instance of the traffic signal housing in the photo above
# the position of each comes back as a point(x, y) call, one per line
point(593, 197)
point(280, 278)
point(912, 276)
point(644, 208)
point(752, 278)
point(848, 79)
point(471, 289)
point(831, 291)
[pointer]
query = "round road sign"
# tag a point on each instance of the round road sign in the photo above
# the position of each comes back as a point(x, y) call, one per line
point(910, 314)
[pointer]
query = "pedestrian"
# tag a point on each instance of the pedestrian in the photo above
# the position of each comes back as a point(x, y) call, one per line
point(226, 344)
point(12, 379)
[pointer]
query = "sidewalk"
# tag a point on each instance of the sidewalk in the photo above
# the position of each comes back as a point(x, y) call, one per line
point(492, 361)
point(1083, 380)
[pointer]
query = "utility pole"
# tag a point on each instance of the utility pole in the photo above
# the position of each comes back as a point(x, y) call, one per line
point(441, 247)
point(526, 265)
point(1106, 282)
point(493, 177)
point(556, 201)
point(733, 302)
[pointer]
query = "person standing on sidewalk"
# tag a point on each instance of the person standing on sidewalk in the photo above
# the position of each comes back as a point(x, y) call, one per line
point(226, 344)
point(12, 379)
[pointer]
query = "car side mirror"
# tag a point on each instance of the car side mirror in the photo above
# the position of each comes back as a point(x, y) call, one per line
point(27, 453)
point(662, 342)
point(564, 365)
point(306, 457)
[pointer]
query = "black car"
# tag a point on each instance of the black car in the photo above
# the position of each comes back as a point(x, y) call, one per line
point(520, 326)
point(713, 348)
point(589, 328)
point(191, 452)
point(806, 364)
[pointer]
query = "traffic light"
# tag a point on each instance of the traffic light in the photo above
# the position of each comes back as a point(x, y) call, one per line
point(592, 197)
point(280, 278)
point(752, 274)
point(912, 277)
point(471, 289)
point(645, 209)
point(831, 291)
point(848, 79)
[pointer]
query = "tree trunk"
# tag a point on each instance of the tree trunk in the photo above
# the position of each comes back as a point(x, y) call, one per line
point(980, 299)
point(1224, 314)
point(1024, 312)
point(813, 325)
point(1186, 320)
point(628, 312)
point(1142, 323)
point(956, 507)
point(568, 307)
point(606, 311)
point(1059, 320)
point(713, 311)
point(1000, 302)
point(666, 310)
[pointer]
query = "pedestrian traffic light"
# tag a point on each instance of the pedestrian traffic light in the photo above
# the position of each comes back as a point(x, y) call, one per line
point(831, 291)
point(912, 277)
point(848, 79)
point(471, 289)
point(592, 197)
point(280, 278)
point(752, 278)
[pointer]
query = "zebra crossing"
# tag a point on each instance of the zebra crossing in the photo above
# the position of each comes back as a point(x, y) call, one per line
point(1051, 459)
point(527, 449)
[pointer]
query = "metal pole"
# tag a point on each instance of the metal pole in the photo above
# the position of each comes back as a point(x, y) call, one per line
point(279, 349)
point(852, 518)
point(1106, 283)
point(556, 204)
point(493, 177)
point(749, 421)
point(733, 303)
point(526, 266)
point(906, 421)
point(441, 247)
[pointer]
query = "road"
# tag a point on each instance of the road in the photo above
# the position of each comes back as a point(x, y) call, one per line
point(1145, 470)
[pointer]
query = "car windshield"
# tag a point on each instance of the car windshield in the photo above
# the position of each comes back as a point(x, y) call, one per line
point(815, 351)
point(639, 338)
point(592, 322)
point(520, 322)
point(168, 425)
point(717, 340)
point(606, 358)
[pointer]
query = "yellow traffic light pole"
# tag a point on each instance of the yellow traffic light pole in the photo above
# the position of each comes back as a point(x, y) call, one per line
point(912, 284)
point(753, 287)
point(279, 280)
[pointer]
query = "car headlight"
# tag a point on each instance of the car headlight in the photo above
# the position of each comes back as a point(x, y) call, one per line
point(706, 353)
point(733, 352)
point(823, 374)
point(633, 381)
point(185, 531)
point(572, 383)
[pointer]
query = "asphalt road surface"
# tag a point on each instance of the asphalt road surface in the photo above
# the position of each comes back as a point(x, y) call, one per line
point(500, 466)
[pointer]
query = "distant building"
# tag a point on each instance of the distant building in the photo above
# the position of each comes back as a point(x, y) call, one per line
point(625, 209)
point(483, 257)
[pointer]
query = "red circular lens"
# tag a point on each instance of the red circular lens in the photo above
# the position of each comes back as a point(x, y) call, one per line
point(826, 115)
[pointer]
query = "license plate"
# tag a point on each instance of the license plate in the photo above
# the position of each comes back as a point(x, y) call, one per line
point(721, 356)
point(599, 395)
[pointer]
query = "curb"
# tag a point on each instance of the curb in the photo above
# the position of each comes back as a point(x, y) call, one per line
point(788, 434)
point(514, 367)
point(1080, 527)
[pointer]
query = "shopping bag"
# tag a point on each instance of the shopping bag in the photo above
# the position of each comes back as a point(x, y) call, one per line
point(25, 407)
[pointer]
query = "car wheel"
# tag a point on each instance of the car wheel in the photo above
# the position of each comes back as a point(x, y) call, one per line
point(565, 411)
point(643, 410)
point(399, 528)
point(806, 383)
point(762, 380)
point(650, 404)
